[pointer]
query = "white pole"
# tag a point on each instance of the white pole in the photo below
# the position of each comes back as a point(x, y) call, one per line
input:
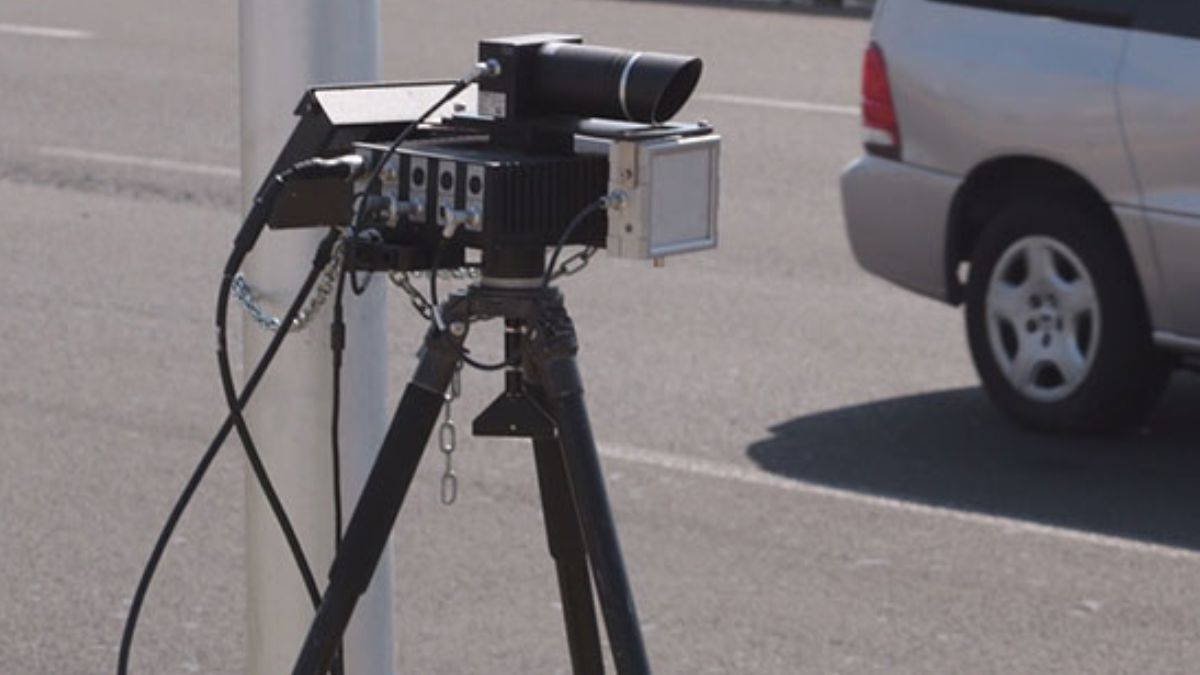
point(286, 46)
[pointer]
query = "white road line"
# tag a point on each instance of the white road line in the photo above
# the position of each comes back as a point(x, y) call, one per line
point(45, 32)
point(781, 104)
point(758, 478)
point(142, 162)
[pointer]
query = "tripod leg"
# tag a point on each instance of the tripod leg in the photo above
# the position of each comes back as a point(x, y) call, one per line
point(567, 549)
point(377, 508)
point(552, 348)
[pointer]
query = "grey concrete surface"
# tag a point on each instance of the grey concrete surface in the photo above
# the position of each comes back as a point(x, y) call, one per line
point(806, 477)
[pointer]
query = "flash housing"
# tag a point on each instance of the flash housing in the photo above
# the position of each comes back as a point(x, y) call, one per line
point(664, 194)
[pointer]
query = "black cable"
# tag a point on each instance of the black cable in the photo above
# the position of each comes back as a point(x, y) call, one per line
point(570, 229)
point(455, 89)
point(354, 285)
point(247, 236)
point(317, 167)
point(435, 262)
point(337, 343)
point(252, 455)
point(243, 432)
point(433, 300)
point(320, 260)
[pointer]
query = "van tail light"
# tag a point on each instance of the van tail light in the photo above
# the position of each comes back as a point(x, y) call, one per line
point(881, 129)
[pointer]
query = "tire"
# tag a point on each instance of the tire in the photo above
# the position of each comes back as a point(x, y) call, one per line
point(1056, 323)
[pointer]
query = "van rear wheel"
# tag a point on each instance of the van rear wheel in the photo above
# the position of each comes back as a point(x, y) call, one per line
point(1056, 323)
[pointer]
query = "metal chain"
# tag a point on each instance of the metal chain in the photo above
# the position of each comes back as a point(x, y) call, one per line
point(575, 263)
point(448, 440)
point(404, 280)
point(244, 294)
point(415, 297)
point(471, 272)
point(447, 432)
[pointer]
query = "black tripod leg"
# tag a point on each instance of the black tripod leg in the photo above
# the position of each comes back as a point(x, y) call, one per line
point(564, 393)
point(377, 508)
point(570, 559)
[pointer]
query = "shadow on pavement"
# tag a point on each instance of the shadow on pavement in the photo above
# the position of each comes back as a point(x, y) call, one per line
point(954, 449)
point(850, 9)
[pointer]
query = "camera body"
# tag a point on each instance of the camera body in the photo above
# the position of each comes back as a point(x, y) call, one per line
point(559, 127)
point(491, 194)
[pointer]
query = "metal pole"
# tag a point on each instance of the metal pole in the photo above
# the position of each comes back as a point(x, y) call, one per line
point(285, 46)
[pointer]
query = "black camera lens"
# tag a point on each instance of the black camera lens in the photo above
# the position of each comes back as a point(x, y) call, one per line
point(418, 176)
point(614, 83)
point(447, 180)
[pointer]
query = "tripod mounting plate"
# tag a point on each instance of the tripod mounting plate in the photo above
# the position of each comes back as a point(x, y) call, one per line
point(514, 415)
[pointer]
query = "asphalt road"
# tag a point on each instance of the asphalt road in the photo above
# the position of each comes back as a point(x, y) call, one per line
point(805, 474)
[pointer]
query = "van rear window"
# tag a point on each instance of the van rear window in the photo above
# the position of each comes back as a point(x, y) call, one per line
point(1117, 13)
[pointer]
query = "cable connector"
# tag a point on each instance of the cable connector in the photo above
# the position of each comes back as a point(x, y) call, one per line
point(387, 210)
point(337, 339)
point(482, 70)
point(347, 167)
point(451, 219)
point(614, 200)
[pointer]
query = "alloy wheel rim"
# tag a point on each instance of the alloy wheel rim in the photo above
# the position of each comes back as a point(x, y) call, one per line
point(1043, 318)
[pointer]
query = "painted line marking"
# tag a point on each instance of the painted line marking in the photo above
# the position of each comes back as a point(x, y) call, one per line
point(781, 104)
point(45, 32)
point(141, 162)
point(758, 478)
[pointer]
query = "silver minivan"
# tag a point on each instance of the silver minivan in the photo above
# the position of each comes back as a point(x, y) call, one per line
point(1039, 162)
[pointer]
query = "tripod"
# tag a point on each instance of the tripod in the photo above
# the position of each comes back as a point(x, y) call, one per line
point(543, 401)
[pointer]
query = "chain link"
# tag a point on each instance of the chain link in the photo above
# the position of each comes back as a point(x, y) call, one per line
point(575, 263)
point(404, 280)
point(448, 440)
point(415, 297)
point(244, 294)
point(447, 432)
point(472, 272)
